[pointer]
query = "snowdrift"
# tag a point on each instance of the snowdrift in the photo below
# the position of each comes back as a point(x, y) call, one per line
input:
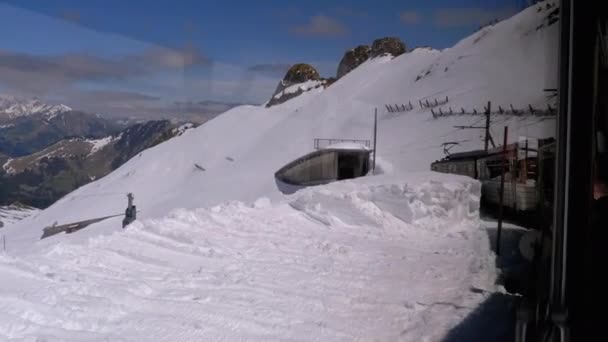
point(348, 261)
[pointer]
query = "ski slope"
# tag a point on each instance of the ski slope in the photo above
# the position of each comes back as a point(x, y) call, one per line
point(218, 253)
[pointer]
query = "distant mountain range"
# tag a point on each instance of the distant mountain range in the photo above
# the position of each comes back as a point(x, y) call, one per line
point(40, 178)
point(49, 150)
point(12, 108)
point(27, 126)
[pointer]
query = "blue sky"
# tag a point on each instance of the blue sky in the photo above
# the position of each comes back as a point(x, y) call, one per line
point(88, 53)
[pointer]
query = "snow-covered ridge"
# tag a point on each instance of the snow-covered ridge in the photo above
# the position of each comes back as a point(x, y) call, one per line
point(183, 128)
point(12, 107)
point(300, 87)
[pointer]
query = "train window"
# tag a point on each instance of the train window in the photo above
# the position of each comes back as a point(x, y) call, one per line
point(194, 104)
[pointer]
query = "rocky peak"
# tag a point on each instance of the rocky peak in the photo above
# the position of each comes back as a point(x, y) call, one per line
point(300, 73)
point(288, 88)
point(388, 45)
point(352, 59)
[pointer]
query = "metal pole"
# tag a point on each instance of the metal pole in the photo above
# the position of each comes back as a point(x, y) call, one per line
point(502, 189)
point(525, 173)
point(4, 243)
point(489, 110)
point(375, 132)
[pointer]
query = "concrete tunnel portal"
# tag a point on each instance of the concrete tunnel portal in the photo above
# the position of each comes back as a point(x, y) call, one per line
point(330, 164)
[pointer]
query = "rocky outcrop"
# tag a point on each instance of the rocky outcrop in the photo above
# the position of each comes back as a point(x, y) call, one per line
point(302, 77)
point(387, 46)
point(380, 47)
point(352, 59)
point(300, 73)
point(297, 74)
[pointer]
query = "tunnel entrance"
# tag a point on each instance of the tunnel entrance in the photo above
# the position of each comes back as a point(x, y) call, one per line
point(336, 162)
point(347, 163)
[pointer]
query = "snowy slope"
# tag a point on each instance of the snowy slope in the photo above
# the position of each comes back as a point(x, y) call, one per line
point(11, 214)
point(240, 150)
point(345, 262)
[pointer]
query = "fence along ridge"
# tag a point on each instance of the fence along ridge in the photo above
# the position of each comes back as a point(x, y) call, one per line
point(548, 111)
point(397, 108)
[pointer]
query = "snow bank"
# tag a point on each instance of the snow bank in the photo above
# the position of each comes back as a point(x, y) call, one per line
point(351, 261)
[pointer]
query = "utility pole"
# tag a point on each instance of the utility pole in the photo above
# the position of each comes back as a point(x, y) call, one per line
point(488, 111)
point(502, 189)
point(488, 137)
point(375, 134)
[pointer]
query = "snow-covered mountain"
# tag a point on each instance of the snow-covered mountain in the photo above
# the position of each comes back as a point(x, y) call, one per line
point(12, 107)
point(399, 255)
point(27, 126)
point(40, 178)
